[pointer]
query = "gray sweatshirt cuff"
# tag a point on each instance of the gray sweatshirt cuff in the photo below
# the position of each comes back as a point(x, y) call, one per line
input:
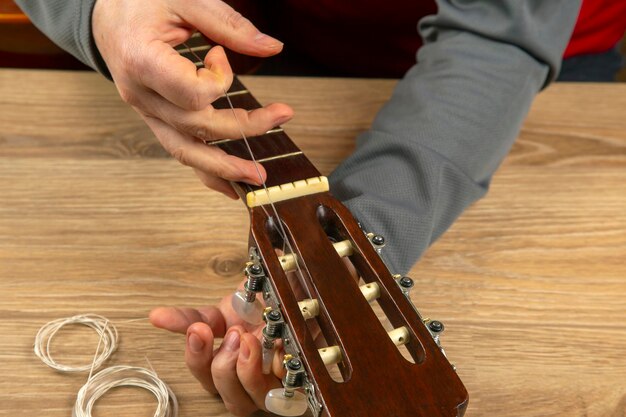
point(68, 24)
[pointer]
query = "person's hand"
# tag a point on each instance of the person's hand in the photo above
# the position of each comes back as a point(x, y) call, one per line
point(136, 40)
point(234, 369)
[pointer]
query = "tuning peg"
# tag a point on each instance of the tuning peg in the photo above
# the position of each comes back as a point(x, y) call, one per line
point(378, 241)
point(272, 331)
point(244, 302)
point(289, 261)
point(288, 401)
point(278, 402)
point(310, 307)
point(435, 327)
point(405, 283)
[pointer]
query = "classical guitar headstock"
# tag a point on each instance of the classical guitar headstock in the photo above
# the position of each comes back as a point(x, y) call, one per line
point(312, 276)
point(324, 293)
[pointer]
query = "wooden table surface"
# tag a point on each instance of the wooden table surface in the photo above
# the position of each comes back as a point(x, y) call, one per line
point(95, 217)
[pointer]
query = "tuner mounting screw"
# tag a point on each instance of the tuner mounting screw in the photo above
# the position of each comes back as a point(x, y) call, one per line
point(256, 269)
point(378, 240)
point(406, 282)
point(274, 315)
point(436, 326)
point(294, 364)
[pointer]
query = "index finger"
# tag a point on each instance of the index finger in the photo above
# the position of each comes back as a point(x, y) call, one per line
point(179, 319)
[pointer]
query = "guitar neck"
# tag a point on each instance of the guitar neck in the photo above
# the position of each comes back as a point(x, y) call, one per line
point(283, 161)
point(281, 158)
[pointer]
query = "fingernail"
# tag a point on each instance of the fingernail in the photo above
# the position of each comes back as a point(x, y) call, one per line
point(283, 120)
point(244, 352)
point(196, 344)
point(267, 41)
point(231, 341)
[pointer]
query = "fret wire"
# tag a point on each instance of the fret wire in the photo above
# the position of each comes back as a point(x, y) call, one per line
point(199, 48)
point(218, 142)
point(237, 93)
point(285, 155)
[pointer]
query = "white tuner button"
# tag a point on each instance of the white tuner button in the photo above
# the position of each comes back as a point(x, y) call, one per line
point(249, 311)
point(278, 403)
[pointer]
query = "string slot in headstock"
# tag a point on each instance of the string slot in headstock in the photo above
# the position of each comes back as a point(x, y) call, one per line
point(319, 325)
point(385, 306)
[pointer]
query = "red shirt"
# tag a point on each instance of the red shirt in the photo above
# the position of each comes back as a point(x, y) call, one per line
point(601, 24)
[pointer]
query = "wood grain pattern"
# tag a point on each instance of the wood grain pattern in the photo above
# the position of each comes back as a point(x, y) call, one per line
point(94, 217)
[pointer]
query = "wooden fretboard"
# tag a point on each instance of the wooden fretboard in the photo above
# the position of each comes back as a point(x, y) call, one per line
point(281, 158)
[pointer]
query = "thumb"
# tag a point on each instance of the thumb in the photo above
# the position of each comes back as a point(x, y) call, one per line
point(249, 372)
point(224, 25)
point(199, 354)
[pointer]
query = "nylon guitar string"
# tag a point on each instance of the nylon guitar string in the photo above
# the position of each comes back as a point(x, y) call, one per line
point(282, 232)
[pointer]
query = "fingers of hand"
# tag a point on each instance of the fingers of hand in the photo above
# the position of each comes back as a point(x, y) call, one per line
point(216, 63)
point(222, 123)
point(199, 354)
point(178, 320)
point(211, 160)
point(158, 67)
point(224, 25)
point(255, 383)
point(217, 184)
point(225, 379)
point(210, 124)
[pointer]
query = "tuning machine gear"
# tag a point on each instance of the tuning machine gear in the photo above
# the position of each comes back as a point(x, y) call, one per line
point(245, 302)
point(273, 330)
point(378, 241)
point(406, 284)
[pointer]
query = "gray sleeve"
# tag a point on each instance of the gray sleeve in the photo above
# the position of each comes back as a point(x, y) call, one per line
point(432, 149)
point(68, 24)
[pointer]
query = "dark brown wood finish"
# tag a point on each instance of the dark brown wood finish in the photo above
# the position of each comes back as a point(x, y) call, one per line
point(379, 380)
point(285, 162)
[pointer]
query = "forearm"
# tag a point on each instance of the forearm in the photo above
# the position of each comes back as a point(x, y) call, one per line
point(68, 24)
point(432, 149)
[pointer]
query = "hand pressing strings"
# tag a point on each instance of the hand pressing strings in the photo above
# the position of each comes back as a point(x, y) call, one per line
point(173, 96)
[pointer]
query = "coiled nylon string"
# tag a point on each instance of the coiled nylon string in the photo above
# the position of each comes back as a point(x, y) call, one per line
point(125, 376)
point(108, 338)
point(116, 376)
